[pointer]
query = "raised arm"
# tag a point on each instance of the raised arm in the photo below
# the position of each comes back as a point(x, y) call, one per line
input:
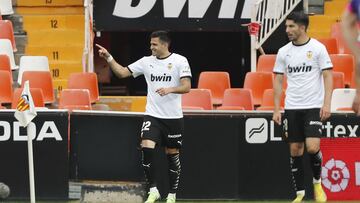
point(119, 70)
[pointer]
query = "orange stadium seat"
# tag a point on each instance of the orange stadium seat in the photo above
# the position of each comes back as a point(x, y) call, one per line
point(5, 87)
point(337, 34)
point(75, 99)
point(338, 80)
point(32, 63)
point(353, 80)
point(36, 94)
point(6, 48)
point(237, 99)
point(268, 100)
point(85, 81)
point(330, 44)
point(343, 63)
point(258, 82)
point(207, 81)
point(5, 64)
point(266, 63)
point(197, 98)
point(7, 32)
point(43, 80)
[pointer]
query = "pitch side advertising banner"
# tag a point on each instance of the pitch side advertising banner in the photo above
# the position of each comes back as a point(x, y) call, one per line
point(50, 153)
point(175, 15)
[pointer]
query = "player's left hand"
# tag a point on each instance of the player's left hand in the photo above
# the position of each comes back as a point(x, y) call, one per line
point(163, 91)
point(325, 113)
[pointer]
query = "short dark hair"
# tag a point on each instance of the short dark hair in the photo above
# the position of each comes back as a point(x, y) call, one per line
point(299, 18)
point(162, 35)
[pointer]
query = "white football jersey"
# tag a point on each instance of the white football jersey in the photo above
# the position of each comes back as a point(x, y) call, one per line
point(162, 73)
point(303, 66)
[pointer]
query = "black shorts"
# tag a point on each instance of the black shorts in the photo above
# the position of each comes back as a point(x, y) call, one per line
point(167, 132)
point(301, 123)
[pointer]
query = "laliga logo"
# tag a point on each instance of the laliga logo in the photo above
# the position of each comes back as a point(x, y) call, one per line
point(335, 175)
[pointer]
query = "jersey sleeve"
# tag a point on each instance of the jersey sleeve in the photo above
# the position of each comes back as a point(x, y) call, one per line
point(280, 65)
point(324, 59)
point(137, 68)
point(184, 68)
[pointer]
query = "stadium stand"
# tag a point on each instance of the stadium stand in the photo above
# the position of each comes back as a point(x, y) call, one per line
point(217, 82)
point(337, 34)
point(266, 63)
point(7, 32)
point(237, 99)
point(268, 100)
point(5, 87)
point(32, 63)
point(343, 63)
point(258, 82)
point(5, 64)
point(330, 44)
point(42, 80)
point(6, 48)
point(75, 99)
point(36, 94)
point(197, 98)
point(342, 98)
point(85, 81)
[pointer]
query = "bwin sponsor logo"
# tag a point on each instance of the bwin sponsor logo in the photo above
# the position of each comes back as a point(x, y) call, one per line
point(301, 68)
point(163, 78)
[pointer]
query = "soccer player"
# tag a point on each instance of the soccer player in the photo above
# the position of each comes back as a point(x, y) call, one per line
point(168, 75)
point(349, 24)
point(308, 68)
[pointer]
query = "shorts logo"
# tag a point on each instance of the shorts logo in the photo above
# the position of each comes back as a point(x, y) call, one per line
point(316, 123)
point(335, 175)
point(174, 136)
point(256, 130)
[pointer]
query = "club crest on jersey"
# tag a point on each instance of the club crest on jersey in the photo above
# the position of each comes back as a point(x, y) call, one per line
point(309, 54)
point(170, 66)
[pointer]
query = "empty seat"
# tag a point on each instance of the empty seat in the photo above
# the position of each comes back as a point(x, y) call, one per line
point(36, 94)
point(6, 7)
point(32, 63)
point(6, 48)
point(343, 63)
point(330, 44)
point(217, 82)
point(268, 100)
point(75, 99)
point(5, 64)
point(42, 80)
point(338, 80)
point(237, 99)
point(266, 63)
point(85, 81)
point(5, 87)
point(7, 32)
point(342, 98)
point(258, 82)
point(197, 98)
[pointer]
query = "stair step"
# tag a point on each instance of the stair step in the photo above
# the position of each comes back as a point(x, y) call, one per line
point(60, 84)
point(49, 10)
point(56, 53)
point(36, 22)
point(50, 3)
point(58, 37)
point(62, 69)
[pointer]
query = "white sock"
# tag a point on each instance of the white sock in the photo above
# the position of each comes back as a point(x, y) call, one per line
point(300, 192)
point(316, 181)
point(154, 189)
point(172, 195)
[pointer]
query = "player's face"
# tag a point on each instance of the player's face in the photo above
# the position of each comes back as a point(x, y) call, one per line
point(158, 48)
point(293, 30)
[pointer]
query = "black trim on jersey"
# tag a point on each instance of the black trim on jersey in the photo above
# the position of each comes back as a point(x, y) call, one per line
point(299, 45)
point(165, 57)
point(129, 69)
point(327, 68)
point(188, 76)
point(278, 73)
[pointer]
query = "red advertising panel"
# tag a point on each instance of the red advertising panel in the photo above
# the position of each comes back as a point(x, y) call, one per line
point(341, 168)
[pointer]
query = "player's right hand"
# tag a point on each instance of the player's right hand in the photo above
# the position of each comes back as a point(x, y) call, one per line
point(277, 117)
point(356, 103)
point(103, 52)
